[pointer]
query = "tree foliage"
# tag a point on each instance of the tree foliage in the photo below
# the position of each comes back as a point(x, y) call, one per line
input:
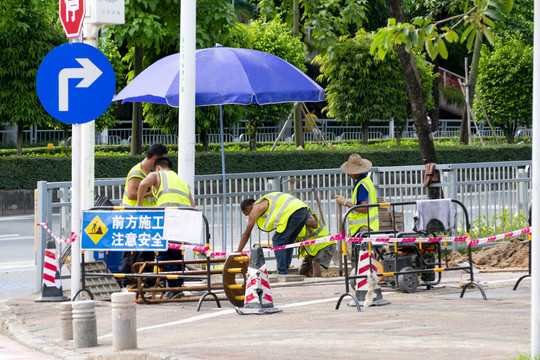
point(328, 20)
point(424, 33)
point(362, 87)
point(520, 21)
point(505, 85)
point(215, 24)
point(273, 37)
point(28, 31)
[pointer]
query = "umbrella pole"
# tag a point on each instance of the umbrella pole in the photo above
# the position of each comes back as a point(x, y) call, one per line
point(224, 187)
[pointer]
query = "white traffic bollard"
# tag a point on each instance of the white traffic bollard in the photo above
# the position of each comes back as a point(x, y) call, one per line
point(124, 321)
point(66, 320)
point(84, 324)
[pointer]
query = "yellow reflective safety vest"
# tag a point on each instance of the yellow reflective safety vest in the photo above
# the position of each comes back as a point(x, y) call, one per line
point(358, 219)
point(135, 172)
point(309, 233)
point(280, 208)
point(172, 191)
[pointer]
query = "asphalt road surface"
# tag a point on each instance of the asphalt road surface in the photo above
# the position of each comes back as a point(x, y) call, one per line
point(17, 256)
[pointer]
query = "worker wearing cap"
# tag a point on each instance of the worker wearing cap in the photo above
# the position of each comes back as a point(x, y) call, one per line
point(315, 255)
point(364, 218)
point(276, 211)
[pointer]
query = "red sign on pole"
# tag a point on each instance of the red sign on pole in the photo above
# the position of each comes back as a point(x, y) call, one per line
point(72, 15)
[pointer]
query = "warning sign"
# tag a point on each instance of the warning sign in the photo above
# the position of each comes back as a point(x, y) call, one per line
point(96, 229)
point(123, 230)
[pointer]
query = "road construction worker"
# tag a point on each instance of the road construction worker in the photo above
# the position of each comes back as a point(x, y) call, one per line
point(315, 255)
point(276, 211)
point(360, 219)
point(138, 173)
point(170, 191)
point(166, 186)
point(134, 178)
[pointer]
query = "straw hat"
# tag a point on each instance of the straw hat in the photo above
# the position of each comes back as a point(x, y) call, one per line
point(355, 165)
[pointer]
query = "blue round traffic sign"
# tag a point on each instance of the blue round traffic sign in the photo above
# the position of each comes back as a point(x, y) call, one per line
point(75, 83)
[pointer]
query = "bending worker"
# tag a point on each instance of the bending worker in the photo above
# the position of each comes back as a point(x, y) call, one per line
point(170, 191)
point(276, 211)
point(133, 180)
point(315, 255)
point(362, 219)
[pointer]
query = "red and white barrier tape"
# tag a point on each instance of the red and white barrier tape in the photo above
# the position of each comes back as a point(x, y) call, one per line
point(71, 239)
point(409, 240)
point(500, 236)
point(206, 249)
point(466, 239)
point(336, 237)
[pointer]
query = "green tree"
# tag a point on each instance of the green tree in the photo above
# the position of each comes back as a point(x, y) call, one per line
point(328, 20)
point(423, 33)
point(273, 37)
point(216, 23)
point(520, 21)
point(505, 85)
point(154, 25)
point(362, 87)
point(147, 22)
point(28, 31)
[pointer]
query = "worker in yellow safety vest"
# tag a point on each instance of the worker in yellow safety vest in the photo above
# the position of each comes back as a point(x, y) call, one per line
point(315, 255)
point(170, 191)
point(276, 211)
point(365, 218)
point(129, 198)
point(168, 188)
point(138, 173)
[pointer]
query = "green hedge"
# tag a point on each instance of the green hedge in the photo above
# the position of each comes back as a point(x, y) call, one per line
point(25, 172)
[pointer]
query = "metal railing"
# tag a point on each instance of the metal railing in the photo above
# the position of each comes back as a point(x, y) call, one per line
point(330, 129)
point(492, 192)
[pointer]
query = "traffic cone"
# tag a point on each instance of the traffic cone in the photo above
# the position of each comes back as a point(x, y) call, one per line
point(51, 289)
point(258, 298)
point(363, 285)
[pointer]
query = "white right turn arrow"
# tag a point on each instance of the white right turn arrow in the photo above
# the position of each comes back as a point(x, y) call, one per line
point(89, 73)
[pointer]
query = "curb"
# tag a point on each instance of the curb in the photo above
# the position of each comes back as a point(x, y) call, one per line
point(11, 327)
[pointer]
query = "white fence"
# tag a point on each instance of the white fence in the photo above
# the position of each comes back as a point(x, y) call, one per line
point(330, 129)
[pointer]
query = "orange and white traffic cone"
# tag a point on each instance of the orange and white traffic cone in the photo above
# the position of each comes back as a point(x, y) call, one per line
point(51, 289)
point(258, 297)
point(364, 286)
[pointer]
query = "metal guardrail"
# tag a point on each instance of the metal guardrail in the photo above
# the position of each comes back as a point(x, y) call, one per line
point(492, 192)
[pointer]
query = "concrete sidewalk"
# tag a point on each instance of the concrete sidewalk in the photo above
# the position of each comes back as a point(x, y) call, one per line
point(430, 324)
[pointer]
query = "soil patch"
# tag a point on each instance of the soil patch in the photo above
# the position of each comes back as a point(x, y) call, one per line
point(513, 253)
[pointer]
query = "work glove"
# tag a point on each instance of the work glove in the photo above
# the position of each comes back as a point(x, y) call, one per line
point(341, 200)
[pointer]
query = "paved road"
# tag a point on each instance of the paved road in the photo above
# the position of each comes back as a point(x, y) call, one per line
point(434, 324)
point(17, 258)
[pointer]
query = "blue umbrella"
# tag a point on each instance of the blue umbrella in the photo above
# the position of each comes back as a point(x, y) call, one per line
point(225, 76)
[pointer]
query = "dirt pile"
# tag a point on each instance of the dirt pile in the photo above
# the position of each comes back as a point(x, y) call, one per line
point(512, 253)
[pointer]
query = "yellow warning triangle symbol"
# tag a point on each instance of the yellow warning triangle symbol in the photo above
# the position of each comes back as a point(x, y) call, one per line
point(96, 229)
